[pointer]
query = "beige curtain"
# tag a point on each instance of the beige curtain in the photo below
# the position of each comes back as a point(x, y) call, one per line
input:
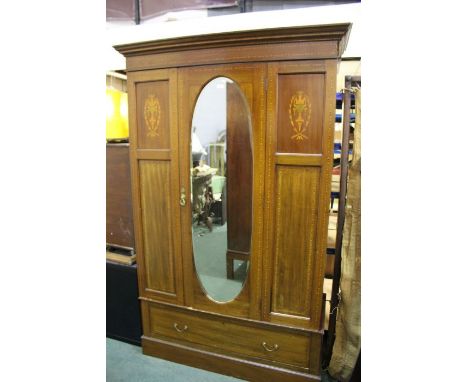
point(348, 324)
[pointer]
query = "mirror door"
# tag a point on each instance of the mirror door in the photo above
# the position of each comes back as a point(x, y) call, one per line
point(221, 188)
point(222, 155)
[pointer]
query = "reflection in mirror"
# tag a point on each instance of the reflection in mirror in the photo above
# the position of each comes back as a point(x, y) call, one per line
point(221, 179)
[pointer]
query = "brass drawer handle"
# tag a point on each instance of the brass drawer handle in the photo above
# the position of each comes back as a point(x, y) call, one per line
point(176, 327)
point(267, 348)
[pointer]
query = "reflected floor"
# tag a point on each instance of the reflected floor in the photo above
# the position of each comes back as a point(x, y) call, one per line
point(210, 261)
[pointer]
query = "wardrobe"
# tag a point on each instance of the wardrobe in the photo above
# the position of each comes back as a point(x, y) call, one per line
point(231, 152)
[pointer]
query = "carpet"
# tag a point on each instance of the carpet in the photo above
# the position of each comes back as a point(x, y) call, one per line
point(126, 363)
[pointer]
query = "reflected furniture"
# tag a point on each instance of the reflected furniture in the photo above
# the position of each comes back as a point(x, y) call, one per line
point(202, 199)
point(272, 330)
point(217, 156)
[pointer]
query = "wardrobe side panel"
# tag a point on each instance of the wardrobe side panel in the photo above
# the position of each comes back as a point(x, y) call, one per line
point(295, 223)
point(299, 161)
point(155, 182)
point(155, 179)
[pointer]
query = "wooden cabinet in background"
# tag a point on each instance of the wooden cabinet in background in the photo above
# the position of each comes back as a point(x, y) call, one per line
point(119, 215)
point(278, 196)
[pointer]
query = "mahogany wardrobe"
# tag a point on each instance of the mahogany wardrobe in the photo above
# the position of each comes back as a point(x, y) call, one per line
point(231, 152)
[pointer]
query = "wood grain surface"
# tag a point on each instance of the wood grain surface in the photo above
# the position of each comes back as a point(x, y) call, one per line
point(155, 180)
point(119, 215)
point(294, 246)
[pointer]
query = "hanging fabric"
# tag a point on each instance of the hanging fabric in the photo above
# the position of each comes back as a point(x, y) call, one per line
point(348, 325)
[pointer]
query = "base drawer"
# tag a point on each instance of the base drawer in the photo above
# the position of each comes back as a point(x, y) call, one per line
point(231, 336)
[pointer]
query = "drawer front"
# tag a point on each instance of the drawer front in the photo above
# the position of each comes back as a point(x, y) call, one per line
point(229, 337)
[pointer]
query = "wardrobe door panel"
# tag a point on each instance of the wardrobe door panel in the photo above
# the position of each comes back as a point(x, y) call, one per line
point(155, 182)
point(299, 161)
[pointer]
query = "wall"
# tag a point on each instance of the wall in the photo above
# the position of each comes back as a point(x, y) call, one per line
point(116, 83)
point(346, 68)
point(210, 112)
point(124, 33)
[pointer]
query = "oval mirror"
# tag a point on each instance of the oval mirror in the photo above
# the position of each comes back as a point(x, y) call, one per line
point(221, 188)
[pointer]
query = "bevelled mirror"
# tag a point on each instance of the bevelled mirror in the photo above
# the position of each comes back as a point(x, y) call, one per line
point(221, 188)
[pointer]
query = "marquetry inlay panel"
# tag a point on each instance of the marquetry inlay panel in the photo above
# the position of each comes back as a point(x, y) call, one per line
point(153, 115)
point(300, 113)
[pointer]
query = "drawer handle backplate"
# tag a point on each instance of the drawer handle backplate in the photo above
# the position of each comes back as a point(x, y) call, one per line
point(267, 348)
point(176, 327)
